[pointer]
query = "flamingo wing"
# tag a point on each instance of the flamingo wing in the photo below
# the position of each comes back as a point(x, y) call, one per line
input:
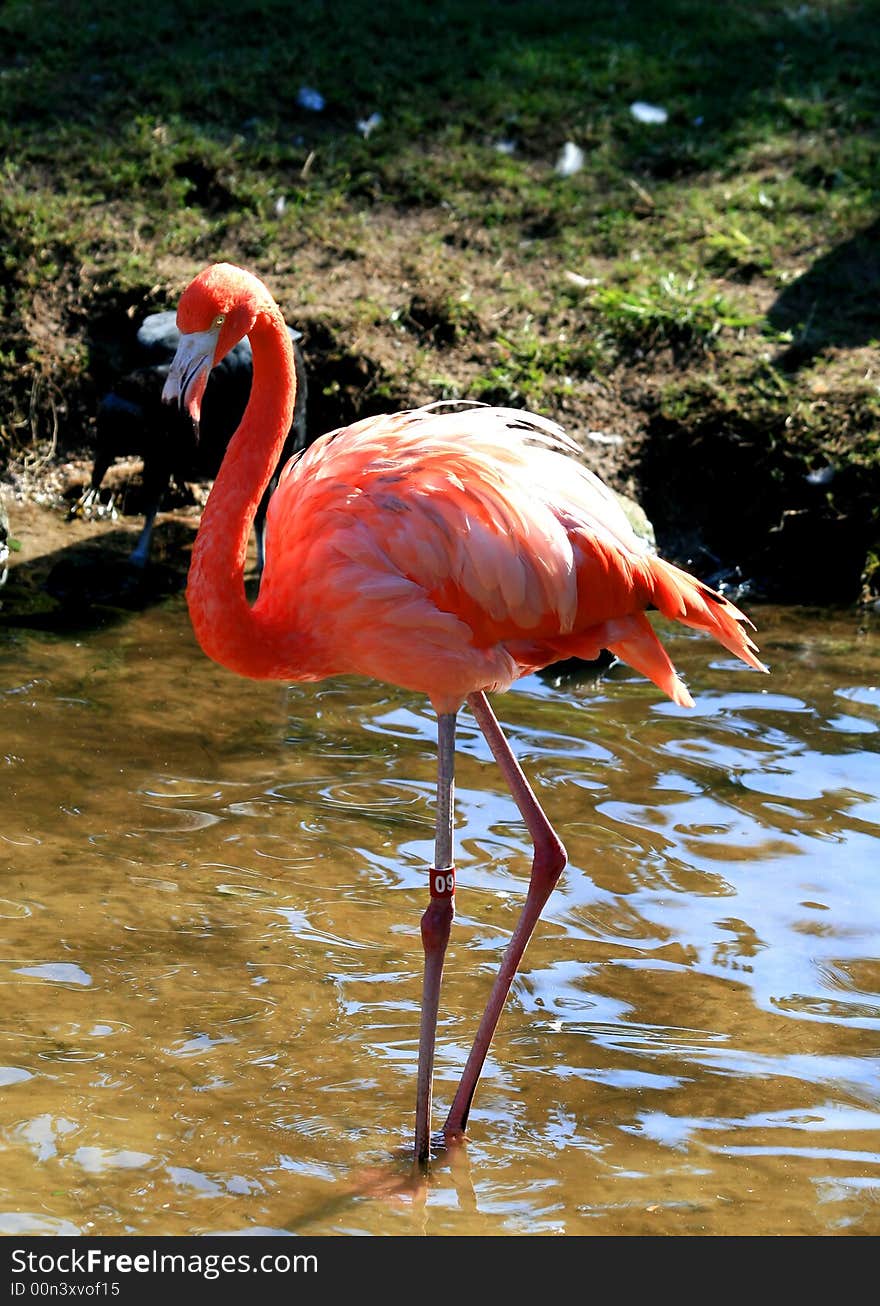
point(455, 550)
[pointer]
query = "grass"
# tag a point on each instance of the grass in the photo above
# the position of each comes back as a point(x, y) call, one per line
point(706, 288)
point(671, 311)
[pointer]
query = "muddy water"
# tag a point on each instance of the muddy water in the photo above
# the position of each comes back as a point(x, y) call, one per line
point(211, 965)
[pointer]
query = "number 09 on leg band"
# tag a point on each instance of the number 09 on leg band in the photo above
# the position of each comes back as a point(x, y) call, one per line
point(443, 882)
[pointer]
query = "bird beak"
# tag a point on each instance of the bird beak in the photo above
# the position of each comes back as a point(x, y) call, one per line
point(189, 372)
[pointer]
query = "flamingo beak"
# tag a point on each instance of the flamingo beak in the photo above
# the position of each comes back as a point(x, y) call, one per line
point(189, 372)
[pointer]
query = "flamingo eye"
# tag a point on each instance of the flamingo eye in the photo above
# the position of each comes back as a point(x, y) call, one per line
point(218, 321)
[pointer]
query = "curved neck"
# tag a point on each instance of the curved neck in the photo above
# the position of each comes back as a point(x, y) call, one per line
point(224, 623)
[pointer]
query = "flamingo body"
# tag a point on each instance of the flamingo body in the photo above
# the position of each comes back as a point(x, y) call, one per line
point(455, 551)
point(449, 550)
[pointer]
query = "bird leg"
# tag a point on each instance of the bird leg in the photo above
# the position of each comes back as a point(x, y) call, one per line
point(141, 551)
point(435, 927)
point(547, 863)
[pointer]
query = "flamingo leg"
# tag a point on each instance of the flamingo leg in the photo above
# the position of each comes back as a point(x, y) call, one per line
point(547, 863)
point(435, 926)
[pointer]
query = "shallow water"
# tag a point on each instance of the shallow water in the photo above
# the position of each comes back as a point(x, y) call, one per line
point(211, 963)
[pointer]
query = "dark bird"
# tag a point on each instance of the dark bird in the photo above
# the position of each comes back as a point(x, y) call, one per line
point(132, 420)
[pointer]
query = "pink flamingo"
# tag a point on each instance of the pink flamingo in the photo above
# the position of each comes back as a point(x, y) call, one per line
point(448, 550)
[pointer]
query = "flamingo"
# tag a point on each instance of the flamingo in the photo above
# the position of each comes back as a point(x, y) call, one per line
point(448, 550)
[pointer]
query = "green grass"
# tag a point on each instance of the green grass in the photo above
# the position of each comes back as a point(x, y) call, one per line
point(724, 262)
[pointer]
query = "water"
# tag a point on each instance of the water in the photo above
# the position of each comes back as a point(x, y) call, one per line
point(211, 964)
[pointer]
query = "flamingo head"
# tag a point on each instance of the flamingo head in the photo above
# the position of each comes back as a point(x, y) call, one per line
point(218, 308)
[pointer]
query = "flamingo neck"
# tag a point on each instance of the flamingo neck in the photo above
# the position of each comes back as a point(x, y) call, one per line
point(226, 626)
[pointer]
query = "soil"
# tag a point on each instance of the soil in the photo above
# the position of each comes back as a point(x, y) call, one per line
point(406, 320)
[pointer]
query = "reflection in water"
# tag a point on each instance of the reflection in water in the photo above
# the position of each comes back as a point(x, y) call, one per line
point(211, 965)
